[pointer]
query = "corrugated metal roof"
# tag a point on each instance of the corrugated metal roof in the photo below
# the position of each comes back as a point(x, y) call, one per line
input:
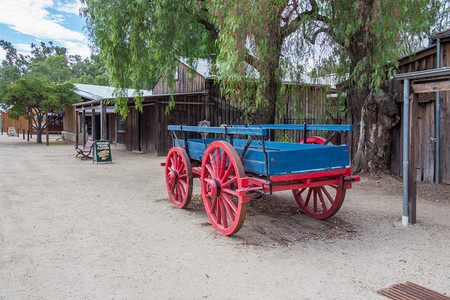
point(440, 35)
point(98, 92)
point(4, 108)
point(203, 67)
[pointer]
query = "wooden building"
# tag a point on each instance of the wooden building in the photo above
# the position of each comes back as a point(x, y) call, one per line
point(425, 121)
point(196, 97)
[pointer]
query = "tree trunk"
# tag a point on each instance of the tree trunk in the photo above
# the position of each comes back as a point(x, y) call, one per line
point(39, 132)
point(373, 133)
point(374, 113)
point(265, 114)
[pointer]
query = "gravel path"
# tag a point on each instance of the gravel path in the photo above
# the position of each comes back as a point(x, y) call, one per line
point(70, 229)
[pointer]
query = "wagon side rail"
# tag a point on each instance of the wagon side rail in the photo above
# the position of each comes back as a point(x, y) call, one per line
point(343, 129)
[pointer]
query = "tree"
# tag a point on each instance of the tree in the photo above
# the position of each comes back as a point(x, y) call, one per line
point(140, 40)
point(265, 40)
point(366, 35)
point(34, 97)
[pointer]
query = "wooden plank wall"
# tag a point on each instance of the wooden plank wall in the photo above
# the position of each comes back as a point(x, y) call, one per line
point(69, 120)
point(184, 84)
point(425, 119)
point(19, 124)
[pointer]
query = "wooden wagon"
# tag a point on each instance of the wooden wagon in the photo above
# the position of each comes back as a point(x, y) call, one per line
point(233, 170)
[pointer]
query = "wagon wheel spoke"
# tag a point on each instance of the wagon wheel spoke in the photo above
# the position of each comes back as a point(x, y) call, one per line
point(213, 206)
point(212, 160)
point(230, 203)
point(315, 199)
point(184, 184)
point(327, 194)
point(308, 197)
point(210, 171)
point(223, 214)
point(232, 180)
point(227, 172)
point(218, 159)
point(322, 201)
point(223, 165)
point(229, 210)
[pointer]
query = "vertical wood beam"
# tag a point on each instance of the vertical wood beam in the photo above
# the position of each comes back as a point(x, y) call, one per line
point(406, 132)
point(103, 121)
point(412, 172)
point(77, 126)
point(83, 126)
point(94, 128)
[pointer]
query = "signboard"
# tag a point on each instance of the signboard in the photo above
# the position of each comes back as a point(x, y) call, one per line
point(11, 131)
point(102, 151)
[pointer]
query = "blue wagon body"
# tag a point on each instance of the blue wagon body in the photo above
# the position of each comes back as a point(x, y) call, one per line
point(283, 158)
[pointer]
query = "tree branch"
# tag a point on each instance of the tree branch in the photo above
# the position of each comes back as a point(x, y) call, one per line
point(291, 27)
point(208, 25)
point(314, 37)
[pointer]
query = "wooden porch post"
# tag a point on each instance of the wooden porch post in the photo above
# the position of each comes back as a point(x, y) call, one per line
point(77, 127)
point(83, 127)
point(412, 172)
point(103, 120)
point(94, 129)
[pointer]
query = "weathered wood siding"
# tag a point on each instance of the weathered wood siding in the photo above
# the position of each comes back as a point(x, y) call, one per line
point(19, 124)
point(426, 119)
point(187, 82)
point(69, 120)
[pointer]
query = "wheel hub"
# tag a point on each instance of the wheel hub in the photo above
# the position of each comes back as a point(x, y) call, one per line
point(173, 177)
point(214, 188)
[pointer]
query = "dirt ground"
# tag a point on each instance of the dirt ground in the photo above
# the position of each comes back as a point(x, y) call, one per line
point(70, 229)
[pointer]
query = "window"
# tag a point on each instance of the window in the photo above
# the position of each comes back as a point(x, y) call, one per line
point(175, 73)
point(120, 124)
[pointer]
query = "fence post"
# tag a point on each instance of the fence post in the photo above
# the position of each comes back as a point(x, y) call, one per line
point(47, 137)
point(28, 135)
point(23, 133)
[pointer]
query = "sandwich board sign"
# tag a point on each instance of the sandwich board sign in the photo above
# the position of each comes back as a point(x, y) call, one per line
point(102, 152)
point(11, 131)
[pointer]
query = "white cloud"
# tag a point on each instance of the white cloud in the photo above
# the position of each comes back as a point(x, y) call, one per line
point(77, 48)
point(31, 17)
point(23, 47)
point(71, 8)
point(2, 54)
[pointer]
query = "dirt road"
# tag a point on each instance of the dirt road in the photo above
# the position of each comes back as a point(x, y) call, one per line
point(70, 229)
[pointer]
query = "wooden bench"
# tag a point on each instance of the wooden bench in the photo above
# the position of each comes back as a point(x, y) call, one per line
point(86, 150)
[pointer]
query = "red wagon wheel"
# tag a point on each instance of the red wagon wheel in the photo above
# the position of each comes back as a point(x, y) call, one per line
point(320, 202)
point(221, 172)
point(179, 177)
point(315, 140)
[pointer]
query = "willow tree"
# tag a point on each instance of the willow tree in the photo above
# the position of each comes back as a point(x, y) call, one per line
point(257, 42)
point(365, 36)
point(141, 40)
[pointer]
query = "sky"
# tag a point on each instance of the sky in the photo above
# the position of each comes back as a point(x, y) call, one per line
point(23, 22)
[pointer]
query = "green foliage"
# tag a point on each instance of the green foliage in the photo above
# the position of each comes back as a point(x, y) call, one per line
point(368, 34)
point(34, 97)
point(38, 84)
point(140, 40)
